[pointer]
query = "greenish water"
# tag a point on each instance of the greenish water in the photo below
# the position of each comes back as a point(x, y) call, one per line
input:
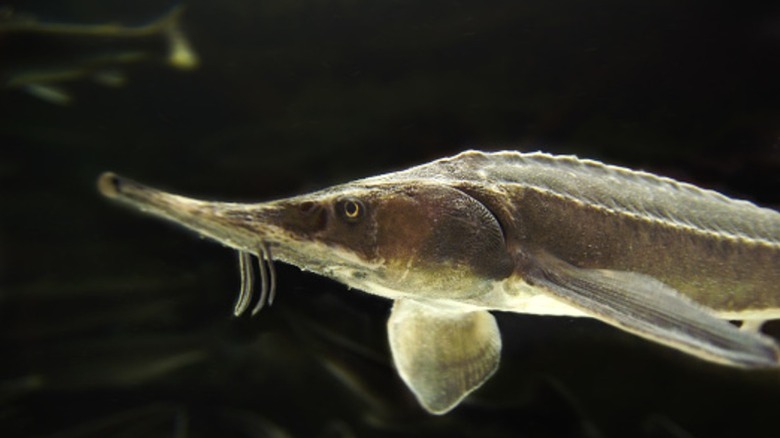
point(114, 324)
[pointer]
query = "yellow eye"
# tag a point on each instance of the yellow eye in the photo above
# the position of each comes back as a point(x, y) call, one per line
point(352, 209)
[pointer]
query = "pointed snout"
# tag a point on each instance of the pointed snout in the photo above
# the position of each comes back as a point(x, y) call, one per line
point(109, 184)
point(240, 226)
point(146, 198)
point(113, 186)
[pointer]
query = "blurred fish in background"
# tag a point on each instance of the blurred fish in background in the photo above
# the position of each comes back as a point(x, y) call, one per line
point(39, 57)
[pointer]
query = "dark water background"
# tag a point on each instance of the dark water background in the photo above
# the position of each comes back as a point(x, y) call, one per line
point(114, 324)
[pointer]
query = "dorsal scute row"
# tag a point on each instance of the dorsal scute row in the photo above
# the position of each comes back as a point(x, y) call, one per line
point(618, 189)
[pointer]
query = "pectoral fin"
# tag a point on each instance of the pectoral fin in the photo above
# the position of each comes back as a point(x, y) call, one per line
point(643, 305)
point(442, 354)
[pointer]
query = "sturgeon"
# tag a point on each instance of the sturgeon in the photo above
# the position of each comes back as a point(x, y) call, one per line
point(451, 240)
point(41, 57)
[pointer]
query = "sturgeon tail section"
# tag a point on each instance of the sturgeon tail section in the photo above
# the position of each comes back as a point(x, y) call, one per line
point(181, 55)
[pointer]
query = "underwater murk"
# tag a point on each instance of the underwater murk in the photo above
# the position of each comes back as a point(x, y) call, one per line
point(114, 324)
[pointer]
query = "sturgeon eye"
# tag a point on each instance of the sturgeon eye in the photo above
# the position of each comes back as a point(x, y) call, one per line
point(351, 210)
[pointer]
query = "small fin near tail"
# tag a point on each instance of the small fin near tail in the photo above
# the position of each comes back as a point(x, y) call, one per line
point(752, 325)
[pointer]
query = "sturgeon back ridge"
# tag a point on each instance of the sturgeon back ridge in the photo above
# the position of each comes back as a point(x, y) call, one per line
point(610, 188)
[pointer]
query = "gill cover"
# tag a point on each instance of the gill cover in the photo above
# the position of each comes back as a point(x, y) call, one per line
point(438, 241)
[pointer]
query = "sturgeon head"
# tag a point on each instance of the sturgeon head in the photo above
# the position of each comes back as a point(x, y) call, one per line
point(398, 240)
